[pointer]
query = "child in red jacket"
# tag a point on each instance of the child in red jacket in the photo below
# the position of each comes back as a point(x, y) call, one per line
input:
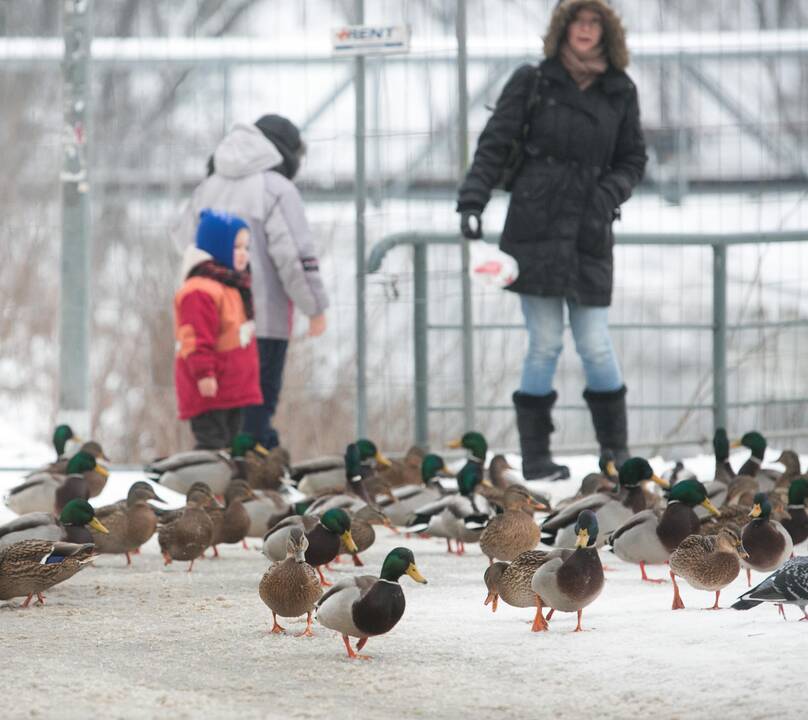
point(216, 365)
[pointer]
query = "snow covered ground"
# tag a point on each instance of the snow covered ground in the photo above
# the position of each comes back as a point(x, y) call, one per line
point(153, 641)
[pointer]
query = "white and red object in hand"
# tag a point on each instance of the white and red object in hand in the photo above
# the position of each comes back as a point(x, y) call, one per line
point(490, 266)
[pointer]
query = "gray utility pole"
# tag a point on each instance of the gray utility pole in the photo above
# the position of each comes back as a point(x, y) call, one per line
point(463, 160)
point(74, 387)
point(360, 199)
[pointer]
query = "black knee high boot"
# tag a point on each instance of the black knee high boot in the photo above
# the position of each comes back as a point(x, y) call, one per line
point(610, 419)
point(535, 425)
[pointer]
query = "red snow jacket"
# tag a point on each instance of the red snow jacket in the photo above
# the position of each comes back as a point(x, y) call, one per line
point(213, 338)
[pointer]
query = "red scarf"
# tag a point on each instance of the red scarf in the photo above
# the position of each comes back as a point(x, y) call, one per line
point(232, 278)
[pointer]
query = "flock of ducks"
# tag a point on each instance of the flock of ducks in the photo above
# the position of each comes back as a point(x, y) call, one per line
point(317, 513)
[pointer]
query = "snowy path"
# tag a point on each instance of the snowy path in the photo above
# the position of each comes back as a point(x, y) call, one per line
point(151, 641)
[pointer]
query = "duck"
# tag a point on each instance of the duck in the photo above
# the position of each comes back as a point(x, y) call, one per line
point(400, 473)
point(323, 533)
point(721, 446)
point(570, 584)
point(291, 588)
point(513, 532)
point(365, 606)
point(48, 491)
point(512, 581)
point(787, 585)
point(756, 444)
point(353, 490)
point(792, 470)
point(765, 540)
point(797, 521)
point(404, 501)
point(130, 523)
point(264, 469)
point(30, 567)
point(71, 525)
point(231, 524)
point(612, 508)
point(216, 468)
point(606, 479)
point(454, 517)
point(650, 536)
point(66, 444)
point(264, 509)
point(185, 534)
point(707, 562)
point(501, 476)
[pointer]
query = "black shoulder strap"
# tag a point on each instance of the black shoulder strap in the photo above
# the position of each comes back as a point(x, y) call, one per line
point(533, 99)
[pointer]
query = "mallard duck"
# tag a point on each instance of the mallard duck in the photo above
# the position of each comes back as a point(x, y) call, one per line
point(404, 501)
point(323, 533)
point(707, 563)
point(766, 541)
point(797, 521)
point(264, 470)
point(501, 476)
point(30, 567)
point(49, 491)
point(454, 517)
point(66, 444)
point(233, 523)
point(606, 479)
point(130, 523)
point(291, 588)
point(650, 536)
point(512, 581)
point(513, 532)
point(723, 470)
point(570, 584)
point(756, 444)
point(787, 585)
point(71, 526)
point(321, 473)
point(366, 606)
point(185, 534)
point(265, 509)
point(215, 468)
point(400, 473)
point(353, 489)
point(612, 508)
point(791, 462)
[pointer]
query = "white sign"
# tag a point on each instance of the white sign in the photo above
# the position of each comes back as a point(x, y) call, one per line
point(370, 39)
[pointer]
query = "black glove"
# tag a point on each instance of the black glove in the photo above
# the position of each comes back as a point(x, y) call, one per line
point(471, 224)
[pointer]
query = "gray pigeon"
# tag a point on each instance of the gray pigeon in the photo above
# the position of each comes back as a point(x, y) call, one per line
point(786, 586)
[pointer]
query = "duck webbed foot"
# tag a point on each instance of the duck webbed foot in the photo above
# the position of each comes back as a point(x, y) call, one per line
point(539, 623)
point(645, 578)
point(677, 598)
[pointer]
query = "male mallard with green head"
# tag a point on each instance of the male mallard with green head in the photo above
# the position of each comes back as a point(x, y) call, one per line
point(650, 536)
point(611, 508)
point(366, 606)
point(756, 444)
point(71, 526)
point(570, 584)
point(723, 470)
point(30, 567)
point(766, 541)
point(513, 532)
point(405, 500)
point(130, 523)
point(797, 521)
point(323, 533)
point(362, 531)
point(291, 588)
point(707, 562)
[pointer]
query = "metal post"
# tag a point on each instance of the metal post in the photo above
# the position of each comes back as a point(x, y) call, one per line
point(462, 155)
point(74, 387)
point(720, 335)
point(360, 194)
point(420, 319)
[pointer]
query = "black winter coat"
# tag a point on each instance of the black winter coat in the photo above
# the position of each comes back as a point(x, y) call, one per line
point(585, 154)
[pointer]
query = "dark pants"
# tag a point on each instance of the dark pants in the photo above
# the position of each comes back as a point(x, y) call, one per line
point(258, 418)
point(215, 429)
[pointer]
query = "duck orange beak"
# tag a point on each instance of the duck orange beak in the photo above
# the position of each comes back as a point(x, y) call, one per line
point(712, 508)
point(456, 443)
point(491, 600)
point(347, 538)
point(95, 524)
point(101, 470)
point(659, 481)
point(412, 571)
point(261, 450)
point(382, 460)
point(611, 469)
point(755, 511)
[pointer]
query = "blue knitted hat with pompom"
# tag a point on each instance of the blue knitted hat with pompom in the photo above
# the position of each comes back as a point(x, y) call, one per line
point(216, 235)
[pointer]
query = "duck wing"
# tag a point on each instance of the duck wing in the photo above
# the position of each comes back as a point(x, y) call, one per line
point(635, 520)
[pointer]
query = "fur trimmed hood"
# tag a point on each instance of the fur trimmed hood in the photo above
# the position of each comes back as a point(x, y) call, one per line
point(614, 35)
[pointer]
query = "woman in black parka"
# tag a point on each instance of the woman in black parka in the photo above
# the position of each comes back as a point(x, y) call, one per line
point(583, 156)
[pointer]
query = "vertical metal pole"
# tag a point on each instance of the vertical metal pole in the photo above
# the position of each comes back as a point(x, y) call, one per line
point(74, 387)
point(360, 195)
point(462, 154)
point(720, 335)
point(421, 348)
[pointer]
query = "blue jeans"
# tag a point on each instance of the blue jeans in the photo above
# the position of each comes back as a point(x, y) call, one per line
point(544, 318)
point(258, 418)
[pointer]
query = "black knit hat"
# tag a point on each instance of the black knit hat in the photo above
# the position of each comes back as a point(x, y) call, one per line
point(283, 133)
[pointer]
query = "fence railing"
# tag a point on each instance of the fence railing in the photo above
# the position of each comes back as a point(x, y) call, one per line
point(719, 327)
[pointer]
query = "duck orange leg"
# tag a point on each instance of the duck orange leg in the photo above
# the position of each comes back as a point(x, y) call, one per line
point(646, 578)
point(191, 566)
point(27, 600)
point(539, 623)
point(358, 561)
point(276, 628)
point(715, 605)
point(578, 627)
point(244, 544)
point(166, 558)
point(215, 552)
point(449, 546)
point(307, 632)
point(677, 598)
point(550, 615)
point(491, 599)
point(323, 581)
point(748, 577)
point(351, 653)
point(128, 560)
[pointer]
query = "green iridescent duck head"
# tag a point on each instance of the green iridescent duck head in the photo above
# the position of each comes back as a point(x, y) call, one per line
point(369, 451)
point(755, 442)
point(83, 462)
point(761, 507)
point(431, 466)
point(635, 470)
point(61, 435)
point(244, 442)
point(475, 443)
point(586, 529)
point(400, 561)
point(721, 445)
point(797, 492)
point(337, 521)
point(691, 492)
point(79, 512)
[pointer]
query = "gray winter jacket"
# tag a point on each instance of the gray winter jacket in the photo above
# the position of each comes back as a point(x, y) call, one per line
point(284, 265)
